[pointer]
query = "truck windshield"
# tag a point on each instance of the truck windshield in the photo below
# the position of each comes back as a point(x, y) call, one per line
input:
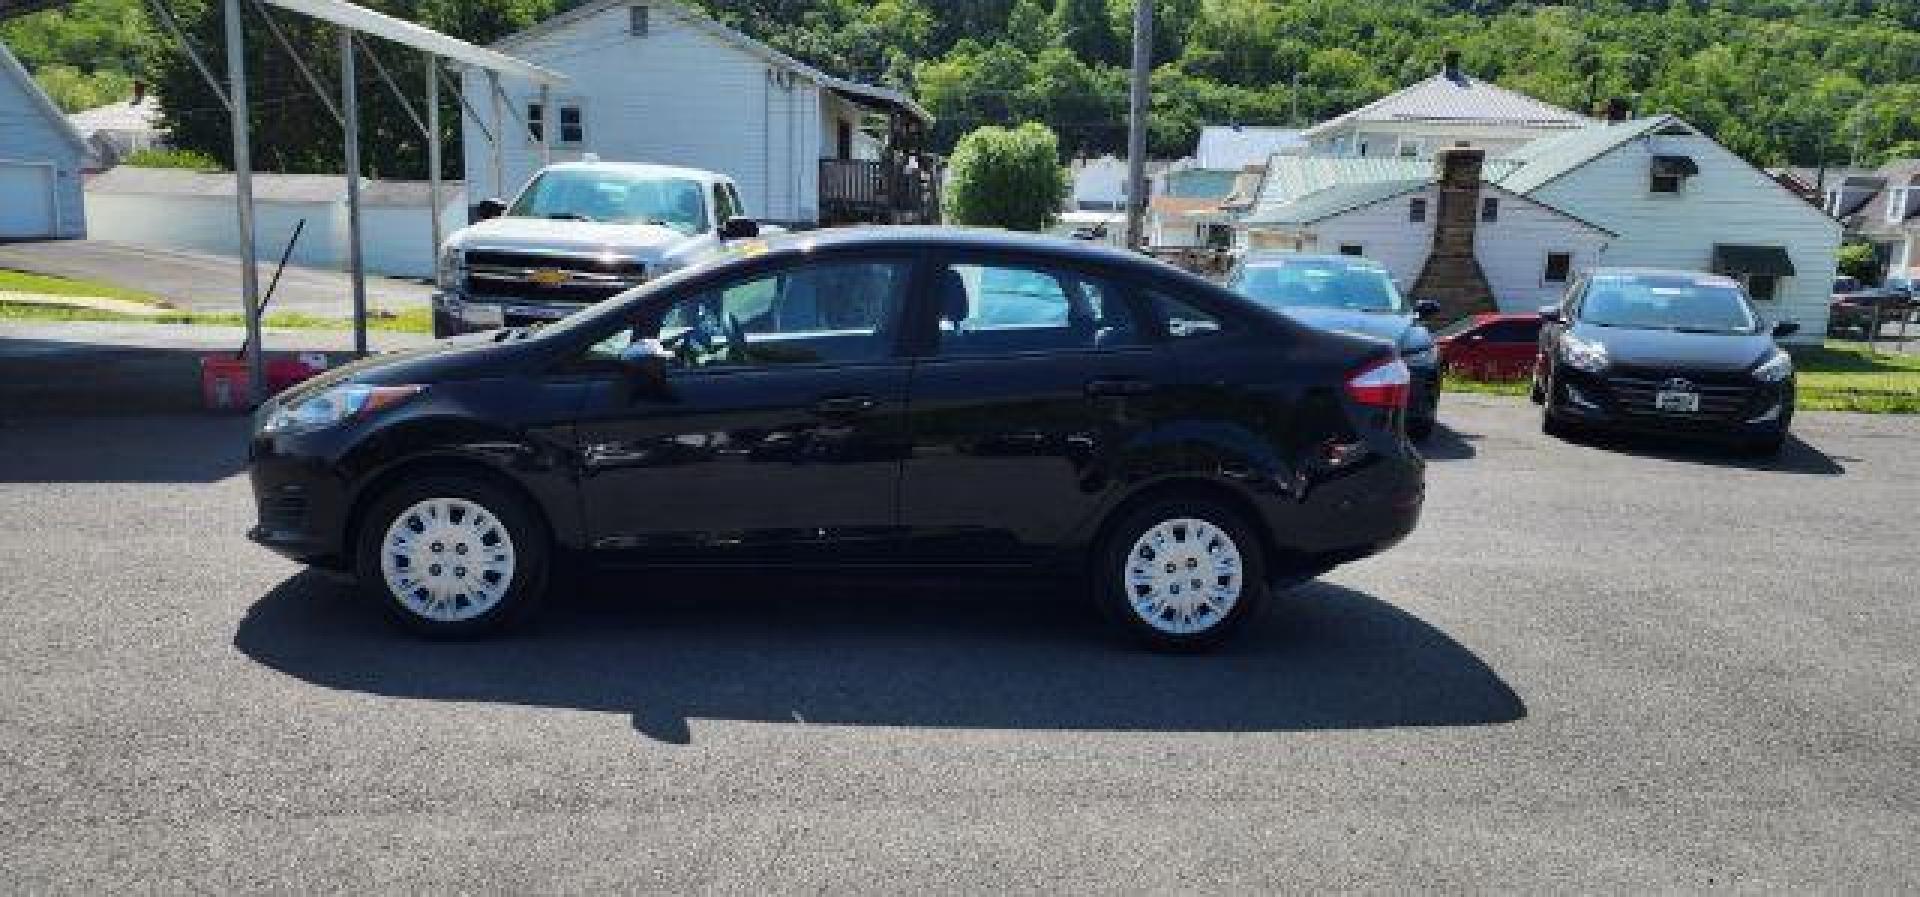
point(609, 197)
point(1318, 283)
point(1667, 302)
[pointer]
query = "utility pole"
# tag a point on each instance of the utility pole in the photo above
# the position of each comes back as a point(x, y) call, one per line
point(1137, 124)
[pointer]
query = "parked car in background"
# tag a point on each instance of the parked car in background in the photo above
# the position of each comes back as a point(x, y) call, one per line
point(1905, 286)
point(1355, 295)
point(1855, 308)
point(1490, 346)
point(1667, 352)
point(577, 234)
point(882, 398)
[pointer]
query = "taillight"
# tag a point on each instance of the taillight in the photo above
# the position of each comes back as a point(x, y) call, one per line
point(1386, 383)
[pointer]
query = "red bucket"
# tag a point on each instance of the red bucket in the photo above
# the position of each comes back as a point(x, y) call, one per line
point(224, 379)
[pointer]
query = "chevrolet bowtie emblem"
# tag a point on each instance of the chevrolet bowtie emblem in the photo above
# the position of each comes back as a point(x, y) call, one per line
point(549, 277)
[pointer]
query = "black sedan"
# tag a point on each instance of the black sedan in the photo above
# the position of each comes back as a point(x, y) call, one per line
point(884, 399)
point(1670, 352)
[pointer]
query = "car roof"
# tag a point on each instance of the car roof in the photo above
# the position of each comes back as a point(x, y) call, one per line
point(642, 169)
point(1651, 272)
point(949, 237)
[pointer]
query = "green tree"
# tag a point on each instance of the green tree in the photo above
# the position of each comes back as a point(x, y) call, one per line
point(1006, 177)
point(1858, 260)
point(1084, 28)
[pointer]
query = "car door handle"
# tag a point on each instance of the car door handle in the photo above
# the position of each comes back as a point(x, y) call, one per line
point(845, 404)
point(1119, 386)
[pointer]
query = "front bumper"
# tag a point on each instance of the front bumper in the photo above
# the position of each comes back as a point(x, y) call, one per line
point(302, 503)
point(455, 313)
point(1731, 405)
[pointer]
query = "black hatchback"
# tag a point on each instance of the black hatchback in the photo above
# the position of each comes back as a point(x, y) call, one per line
point(1667, 352)
point(890, 399)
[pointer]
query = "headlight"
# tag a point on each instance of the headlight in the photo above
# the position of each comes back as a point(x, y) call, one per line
point(450, 269)
point(1424, 355)
point(1774, 369)
point(1583, 355)
point(332, 406)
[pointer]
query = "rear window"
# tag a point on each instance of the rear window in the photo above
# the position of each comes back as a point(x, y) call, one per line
point(1318, 283)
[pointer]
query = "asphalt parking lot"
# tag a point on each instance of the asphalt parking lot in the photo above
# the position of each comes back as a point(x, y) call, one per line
point(1597, 667)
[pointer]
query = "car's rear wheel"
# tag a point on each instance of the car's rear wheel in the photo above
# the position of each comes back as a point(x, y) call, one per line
point(453, 557)
point(1180, 574)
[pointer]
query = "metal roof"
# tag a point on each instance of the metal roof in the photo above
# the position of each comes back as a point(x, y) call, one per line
point(1328, 202)
point(1545, 160)
point(420, 37)
point(1457, 98)
point(1233, 147)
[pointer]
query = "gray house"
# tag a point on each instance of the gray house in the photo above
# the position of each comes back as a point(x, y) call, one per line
point(40, 160)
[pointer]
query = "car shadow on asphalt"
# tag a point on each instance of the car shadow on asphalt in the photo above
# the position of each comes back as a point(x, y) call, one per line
point(1797, 456)
point(792, 652)
point(1448, 444)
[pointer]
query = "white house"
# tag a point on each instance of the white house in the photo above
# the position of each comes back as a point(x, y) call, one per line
point(40, 161)
point(660, 82)
point(1508, 232)
point(1401, 213)
point(1450, 109)
point(1882, 207)
point(173, 208)
point(1676, 198)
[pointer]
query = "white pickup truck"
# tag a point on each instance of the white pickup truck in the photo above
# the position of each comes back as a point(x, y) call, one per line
point(580, 232)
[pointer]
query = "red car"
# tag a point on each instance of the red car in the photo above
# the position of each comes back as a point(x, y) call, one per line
point(1490, 346)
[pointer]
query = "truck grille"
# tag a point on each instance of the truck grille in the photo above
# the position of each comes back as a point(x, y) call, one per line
point(550, 278)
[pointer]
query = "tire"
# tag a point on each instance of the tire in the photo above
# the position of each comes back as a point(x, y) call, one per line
point(1153, 534)
point(464, 517)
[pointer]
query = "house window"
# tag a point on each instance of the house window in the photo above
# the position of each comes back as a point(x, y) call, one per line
point(1417, 210)
point(1412, 147)
point(1666, 183)
point(637, 21)
point(843, 138)
point(1362, 148)
point(572, 130)
point(1897, 201)
point(1219, 236)
point(1490, 209)
point(1668, 174)
point(1762, 287)
point(1352, 249)
point(1559, 266)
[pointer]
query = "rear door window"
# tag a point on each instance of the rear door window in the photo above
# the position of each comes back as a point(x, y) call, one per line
point(995, 309)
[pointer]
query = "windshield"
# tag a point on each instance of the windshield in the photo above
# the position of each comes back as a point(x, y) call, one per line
point(1668, 302)
point(1318, 283)
point(610, 197)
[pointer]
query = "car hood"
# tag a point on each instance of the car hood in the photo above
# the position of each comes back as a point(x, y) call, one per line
point(439, 361)
point(639, 241)
point(1669, 349)
point(1396, 329)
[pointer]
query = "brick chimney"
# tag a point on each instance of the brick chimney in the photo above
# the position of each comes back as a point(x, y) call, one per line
point(1452, 275)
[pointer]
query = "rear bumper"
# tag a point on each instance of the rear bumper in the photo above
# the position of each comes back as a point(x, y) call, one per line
point(1349, 515)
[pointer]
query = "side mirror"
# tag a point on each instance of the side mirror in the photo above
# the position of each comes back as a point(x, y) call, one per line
point(1786, 328)
point(486, 209)
point(646, 363)
point(1550, 313)
point(737, 228)
point(1426, 308)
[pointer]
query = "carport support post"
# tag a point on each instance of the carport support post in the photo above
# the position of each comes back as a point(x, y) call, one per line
point(350, 111)
point(433, 157)
point(549, 120)
point(499, 135)
point(243, 199)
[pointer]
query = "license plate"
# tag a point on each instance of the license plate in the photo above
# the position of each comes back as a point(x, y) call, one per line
point(1676, 401)
point(484, 315)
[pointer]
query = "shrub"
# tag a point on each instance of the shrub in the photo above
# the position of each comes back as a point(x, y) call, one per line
point(1006, 177)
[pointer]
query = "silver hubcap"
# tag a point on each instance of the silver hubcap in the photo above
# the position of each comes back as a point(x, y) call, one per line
point(447, 559)
point(1183, 576)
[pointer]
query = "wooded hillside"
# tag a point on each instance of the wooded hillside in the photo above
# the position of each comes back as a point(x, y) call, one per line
point(1778, 80)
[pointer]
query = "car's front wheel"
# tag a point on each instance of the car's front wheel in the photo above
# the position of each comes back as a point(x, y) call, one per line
point(1180, 574)
point(453, 556)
